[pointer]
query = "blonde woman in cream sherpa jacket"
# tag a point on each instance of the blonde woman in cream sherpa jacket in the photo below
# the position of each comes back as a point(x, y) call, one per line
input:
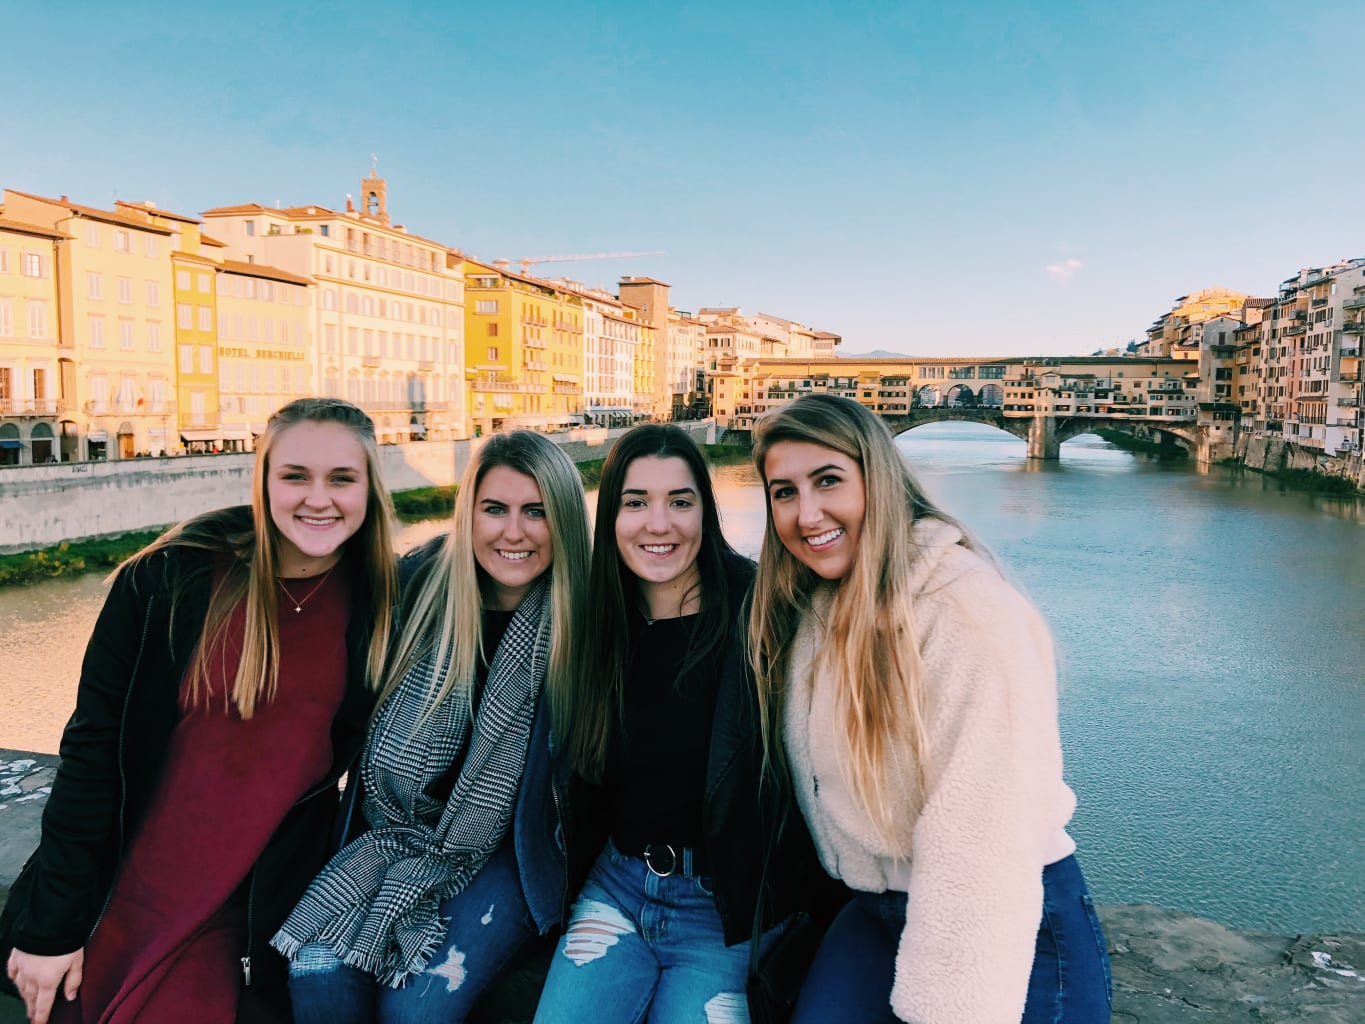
point(911, 691)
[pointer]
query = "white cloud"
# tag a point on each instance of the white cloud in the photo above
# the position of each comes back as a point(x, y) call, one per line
point(1065, 270)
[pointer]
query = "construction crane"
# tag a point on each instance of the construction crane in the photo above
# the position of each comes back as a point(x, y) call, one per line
point(580, 257)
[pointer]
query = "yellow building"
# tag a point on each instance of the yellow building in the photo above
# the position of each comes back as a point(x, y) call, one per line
point(115, 297)
point(35, 370)
point(523, 349)
point(387, 312)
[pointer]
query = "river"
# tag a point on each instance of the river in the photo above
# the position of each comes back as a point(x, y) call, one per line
point(1211, 638)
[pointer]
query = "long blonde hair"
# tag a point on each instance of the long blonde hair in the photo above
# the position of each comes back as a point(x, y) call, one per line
point(443, 618)
point(871, 649)
point(252, 563)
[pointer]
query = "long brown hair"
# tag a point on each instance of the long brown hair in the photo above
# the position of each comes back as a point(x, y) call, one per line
point(251, 561)
point(613, 590)
point(870, 648)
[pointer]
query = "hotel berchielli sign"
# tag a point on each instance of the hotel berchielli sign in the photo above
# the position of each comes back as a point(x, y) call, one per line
point(260, 353)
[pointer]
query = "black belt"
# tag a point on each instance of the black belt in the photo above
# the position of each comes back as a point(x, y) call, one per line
point(665, 859)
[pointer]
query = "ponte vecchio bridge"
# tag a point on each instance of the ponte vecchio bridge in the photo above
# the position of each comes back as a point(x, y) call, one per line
point(1043, 400)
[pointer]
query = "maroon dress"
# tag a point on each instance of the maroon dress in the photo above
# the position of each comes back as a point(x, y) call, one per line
point(169, 945)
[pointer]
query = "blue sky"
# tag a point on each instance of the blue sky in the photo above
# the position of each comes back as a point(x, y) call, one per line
point(930, 178)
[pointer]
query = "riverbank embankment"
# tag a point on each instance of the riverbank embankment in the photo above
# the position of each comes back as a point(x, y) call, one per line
point(1169, 968)
point(68, 556)
point(41, 506)
point(1300, 466)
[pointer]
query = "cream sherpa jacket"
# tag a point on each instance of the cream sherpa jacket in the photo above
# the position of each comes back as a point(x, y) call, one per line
point(970, 847)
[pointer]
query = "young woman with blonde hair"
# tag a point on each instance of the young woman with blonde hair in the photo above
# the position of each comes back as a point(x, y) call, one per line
point(912, 693)
point(459, 869)
point(225, 689)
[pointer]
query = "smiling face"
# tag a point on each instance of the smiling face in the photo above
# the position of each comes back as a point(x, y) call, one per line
point(658, 532)
point(318, 488)
point(817, 501)
point(511, 534)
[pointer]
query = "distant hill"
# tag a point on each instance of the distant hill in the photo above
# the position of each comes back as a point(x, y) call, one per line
point(880, 353)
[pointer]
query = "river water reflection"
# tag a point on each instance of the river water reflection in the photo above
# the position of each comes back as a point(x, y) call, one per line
point(1211, 632)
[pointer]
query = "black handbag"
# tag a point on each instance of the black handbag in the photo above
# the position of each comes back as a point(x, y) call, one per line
point(775, 977)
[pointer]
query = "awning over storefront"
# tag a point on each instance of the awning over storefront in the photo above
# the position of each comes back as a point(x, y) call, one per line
point(9, 443)
point(200, 435)
point(235, 432)
point(97, 435)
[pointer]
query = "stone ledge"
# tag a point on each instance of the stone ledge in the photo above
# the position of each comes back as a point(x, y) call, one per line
point(1169, 968)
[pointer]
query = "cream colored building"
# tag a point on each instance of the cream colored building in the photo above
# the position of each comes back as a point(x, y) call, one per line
point(37, 372)
point(387, 314)
point(266, 347)
point(115, 297)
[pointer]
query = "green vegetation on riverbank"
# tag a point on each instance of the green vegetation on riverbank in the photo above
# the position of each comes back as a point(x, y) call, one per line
point(73, 559)
point(1319, 483)
point(100, 555)
point(1141, 446)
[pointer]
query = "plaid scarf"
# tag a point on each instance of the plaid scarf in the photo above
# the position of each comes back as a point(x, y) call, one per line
point(376, 905)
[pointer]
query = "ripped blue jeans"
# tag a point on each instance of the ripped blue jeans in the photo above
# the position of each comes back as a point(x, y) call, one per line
point(639, 947)
point(489, 927)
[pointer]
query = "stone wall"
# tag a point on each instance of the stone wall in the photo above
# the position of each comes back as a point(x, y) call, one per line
point(45, 505)
point(1275, 455)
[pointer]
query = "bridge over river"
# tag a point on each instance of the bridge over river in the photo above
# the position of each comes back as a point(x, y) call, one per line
point(1043, 400)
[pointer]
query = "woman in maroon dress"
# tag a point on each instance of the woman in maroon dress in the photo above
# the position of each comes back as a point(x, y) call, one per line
point(225, 689)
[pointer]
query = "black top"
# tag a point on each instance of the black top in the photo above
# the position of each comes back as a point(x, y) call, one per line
point(656, 763)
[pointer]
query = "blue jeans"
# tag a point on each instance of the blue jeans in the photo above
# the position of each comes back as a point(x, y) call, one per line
point(850, 980)
point(489, 927)
point(640, 947)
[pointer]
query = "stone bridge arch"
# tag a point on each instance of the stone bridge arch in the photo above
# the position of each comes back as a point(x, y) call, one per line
point(1045, 434)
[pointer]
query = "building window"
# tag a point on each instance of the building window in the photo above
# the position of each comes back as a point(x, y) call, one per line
point(92, 236)
point(182, 280)
point(205, 284)
point(121, 242)
point(486, 306)
point(97, 332)
point(154, 337)
point(205, 358)
point(4, 260)
point(492, 352)
point(492, 330)
point(6, 318)
point(153, 293)
point(186, 358)
point(31, 264)
point(151, 247)
point(250, 227)
point(94, 286)
point(326, 231)
point(205, 318)
point(184, 316)
point(125, 290)
point(125, 335)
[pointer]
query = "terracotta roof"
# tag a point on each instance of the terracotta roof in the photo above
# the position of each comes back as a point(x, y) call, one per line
point(19, 227)
point(260, 270)
point(94, 213)
point(210, 240)
point(193, 257)
point(155, 211)
point(644, 280)
point(241, 208)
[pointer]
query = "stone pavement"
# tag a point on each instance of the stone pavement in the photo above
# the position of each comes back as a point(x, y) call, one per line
point(1169, 968)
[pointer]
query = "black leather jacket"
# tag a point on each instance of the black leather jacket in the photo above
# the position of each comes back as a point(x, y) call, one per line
point(111, 756)
point(743, 807)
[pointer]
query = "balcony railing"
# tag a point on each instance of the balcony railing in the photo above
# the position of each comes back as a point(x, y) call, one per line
point(1353, 326)
point(1356, 303)
point(33, 406)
